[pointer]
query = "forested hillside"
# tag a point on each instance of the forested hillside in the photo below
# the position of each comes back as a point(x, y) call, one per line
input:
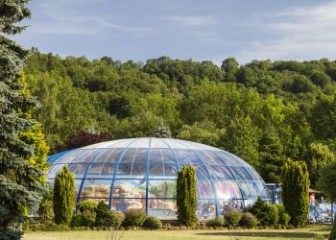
point(263, 111)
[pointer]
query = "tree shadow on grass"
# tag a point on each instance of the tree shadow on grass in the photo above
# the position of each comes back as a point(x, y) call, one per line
point(263, 234)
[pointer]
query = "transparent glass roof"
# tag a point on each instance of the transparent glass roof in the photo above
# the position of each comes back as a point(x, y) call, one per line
point(141, 173)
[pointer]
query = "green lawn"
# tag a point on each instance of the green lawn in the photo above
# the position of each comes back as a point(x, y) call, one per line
point(311, 232)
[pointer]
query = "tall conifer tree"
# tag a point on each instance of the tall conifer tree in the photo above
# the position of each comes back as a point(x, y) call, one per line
point(186, 196)
point(19, 179)
point(295, 187)
point(64, 196)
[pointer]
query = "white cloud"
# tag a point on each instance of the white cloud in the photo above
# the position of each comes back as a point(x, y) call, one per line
point(302, 33)
point(193, 21)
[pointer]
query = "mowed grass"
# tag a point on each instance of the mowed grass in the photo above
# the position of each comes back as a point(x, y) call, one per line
point(311, 232)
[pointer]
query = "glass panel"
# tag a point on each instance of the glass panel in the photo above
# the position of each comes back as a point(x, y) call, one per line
point(227, 190)
point(129, 155)
point(97, 200)
point(54, 170)
point(168, 156)
point(162, 189)
point(194, 158)
point(201, 172)
point(126, 204)
point(129, 189)
point(110, 156)
point(170, 170)
point(206, 209)
point(249, 189)
point(208, 157)
point(155, 156)
point(163, 209)
point(131, 170)
point(78, 169)
point(182, 156)
point(101, 170)
point(227, 159)
point(141, 155)
point(96, 189)
point(204, 189)
point(88, 157)
point(156, 170)
point(228, 205)
point(68, 157)
point(241, 173)
point(221, 172)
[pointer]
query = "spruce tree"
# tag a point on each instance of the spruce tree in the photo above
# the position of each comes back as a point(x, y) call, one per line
point(295, 188)
point(186, 196)
point(20, 187)
point(162, 131)
point(64, 196)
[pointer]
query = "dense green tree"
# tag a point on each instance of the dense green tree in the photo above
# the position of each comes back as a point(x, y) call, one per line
point(64, 196)
point(242, 138)
point(186, 196)
point(230, 67)
point(327, 184)
point(19, 179)
point(317, 156)
point(295, 188)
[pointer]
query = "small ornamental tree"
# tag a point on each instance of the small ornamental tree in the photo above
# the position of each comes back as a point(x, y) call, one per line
point(64, 196)
point(162, 131)
point(327, 184)
point(186, 196)
point(295, 187)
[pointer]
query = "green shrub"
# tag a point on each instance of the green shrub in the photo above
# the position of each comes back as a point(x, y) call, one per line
point(115, 219)
point(50, 227)
point(152, 223)
point(233, 217)
point(88, 218)
point(267, 214)
point(134, 218)
point(249, 220)
point(87, 205)
point(103, 214)
point(77, 220)
point(216, 222)
point(284, 217)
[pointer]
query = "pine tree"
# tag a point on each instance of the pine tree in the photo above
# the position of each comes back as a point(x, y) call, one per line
point(186, 196)
point(295, 187)
point(20, 187)
point(162, 131)
point(64, 196)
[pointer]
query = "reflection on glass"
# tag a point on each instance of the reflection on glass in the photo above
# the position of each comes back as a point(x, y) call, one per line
point(206, 209)
point(96, 189)
point(165, 209)
point(227, 190)
point(129, 189)
point(127, 204)
point(162, 189)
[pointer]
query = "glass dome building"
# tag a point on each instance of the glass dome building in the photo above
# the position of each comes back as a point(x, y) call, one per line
point(141, 173)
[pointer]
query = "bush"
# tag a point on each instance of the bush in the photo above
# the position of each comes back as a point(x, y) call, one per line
point(233, 217)
point(267, 214)
point(152, 223)
point(134, 218)
point(249, 220)
point(87, 205)
point(103, 214)
point(115, 219)
point(50, 227)
point(284, 217)
point(77, 220)
point(216, 222)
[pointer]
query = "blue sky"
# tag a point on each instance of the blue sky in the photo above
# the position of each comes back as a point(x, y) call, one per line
point(198, 29)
